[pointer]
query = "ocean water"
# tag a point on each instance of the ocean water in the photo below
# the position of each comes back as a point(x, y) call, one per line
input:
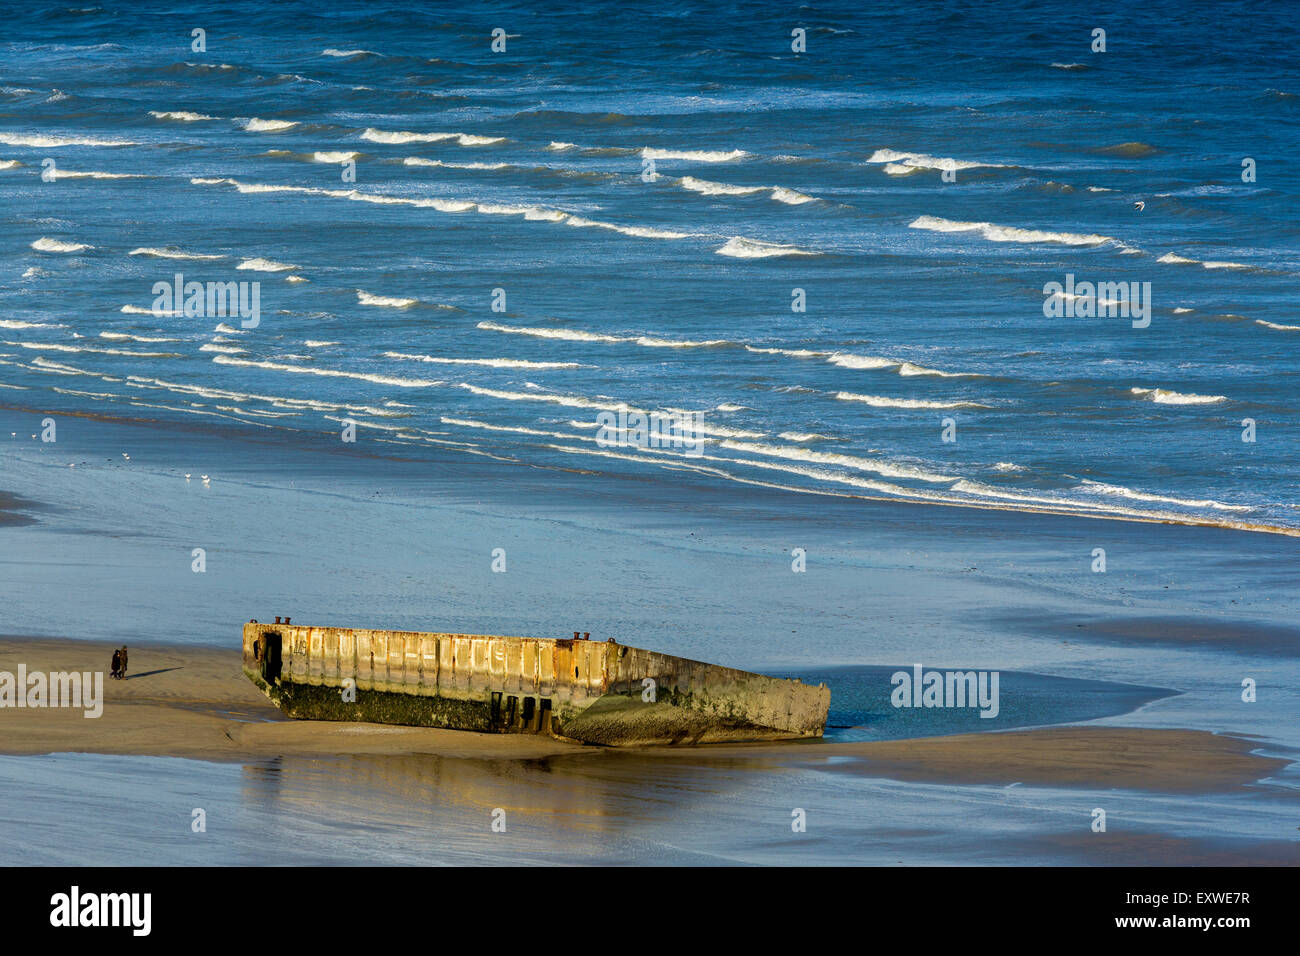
point(671, 288)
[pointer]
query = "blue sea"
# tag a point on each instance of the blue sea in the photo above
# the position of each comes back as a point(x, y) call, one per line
point(836, 258)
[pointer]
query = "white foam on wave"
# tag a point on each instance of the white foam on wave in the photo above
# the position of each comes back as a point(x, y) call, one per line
point(862, 362)
point(170, 253)
point(641, 232)
point(1172, 258)
point(59, 368)
point(1101, 488)
point(740, 248)
point(20, 324)
point(904, 163)
point(45, 244)
point(421, 161)
point(792, 353)
point(790, 197)
point(911, 368)
point(127, 337)
point(488, 363)
point(391, 302)
point(458, 206)
point(995, 233)
point(849, 360)
point(1279, 327)
point(137, 310)
point(805, 436)
point(180, 116)
point(570, 335)
point(255, 125)
point(575, 335)
point(9, 164)
point(567, 401)
point(886, 468)
point(718, 189)
point(317, 343)
point(335, 156)
point(279, 401)
point(579, 401)
point(331, 51)
point(694, 155)
point(266, 265)
point(880, 401)
point(1168, 397)
point(11, 139)
point(223, 349)
point(329, 373)
point(94, 174)
point(516, 429)
point(533, 213)
point(401, 136)
point(57, 347)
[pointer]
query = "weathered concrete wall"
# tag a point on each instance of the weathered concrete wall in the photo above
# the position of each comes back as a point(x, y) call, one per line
point(586, 690)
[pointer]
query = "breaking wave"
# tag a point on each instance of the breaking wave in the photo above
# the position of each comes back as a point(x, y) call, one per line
point(881, 402)
point(255, 125)
point(170, 253)
point(266, 265)
point(780, 193)
point(180, 116)
point(11, 139)
point(740, 248)
point(45, 244)
point(1167, 397)
point(996, 233)
point(1174, 259)
point(329, 373)
point(694, 155)
point(400, 136)
point(489, 363)
point(365, 298)
point(904, 163)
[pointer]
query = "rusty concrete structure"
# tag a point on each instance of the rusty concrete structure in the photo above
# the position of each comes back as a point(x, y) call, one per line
point(597, 692)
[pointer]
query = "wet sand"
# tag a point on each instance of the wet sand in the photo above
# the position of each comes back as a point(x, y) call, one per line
point(195, 702)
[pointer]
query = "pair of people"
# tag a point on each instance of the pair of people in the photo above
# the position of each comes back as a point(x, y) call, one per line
point(119, 663)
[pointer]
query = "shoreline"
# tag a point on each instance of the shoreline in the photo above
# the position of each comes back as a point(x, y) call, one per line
point(195, 702)
point(322, 442)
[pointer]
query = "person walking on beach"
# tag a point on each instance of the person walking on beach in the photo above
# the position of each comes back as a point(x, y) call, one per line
point(122, 662)
point(117, 663)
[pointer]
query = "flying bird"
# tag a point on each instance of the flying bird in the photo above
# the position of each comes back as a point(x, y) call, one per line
point(1140, 206)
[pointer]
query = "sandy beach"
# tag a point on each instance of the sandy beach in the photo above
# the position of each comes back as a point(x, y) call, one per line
point(195, 702)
